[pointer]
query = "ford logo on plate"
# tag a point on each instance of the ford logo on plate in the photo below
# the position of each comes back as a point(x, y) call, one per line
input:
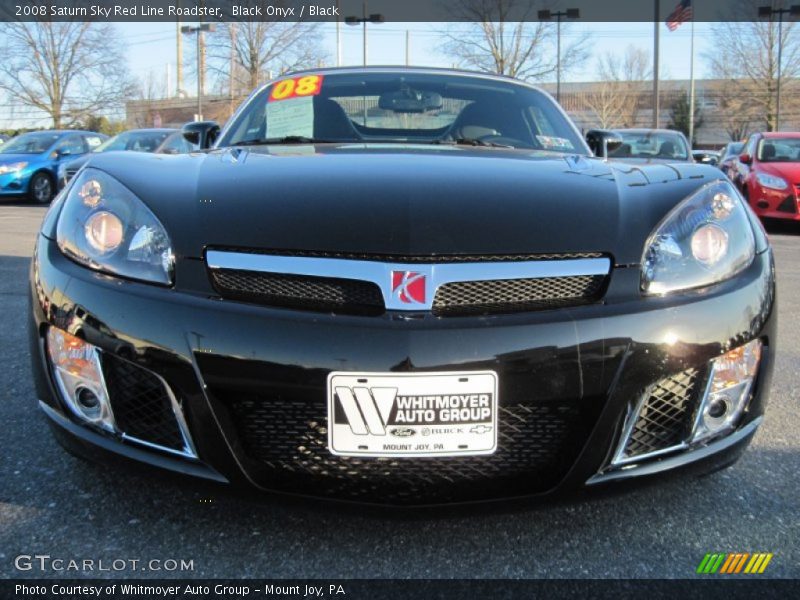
point(403, 431)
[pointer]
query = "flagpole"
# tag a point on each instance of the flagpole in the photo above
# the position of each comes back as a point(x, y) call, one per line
point(656, 23)
point(691, 90)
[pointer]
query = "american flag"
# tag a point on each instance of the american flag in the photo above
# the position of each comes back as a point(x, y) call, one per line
point(681, 14)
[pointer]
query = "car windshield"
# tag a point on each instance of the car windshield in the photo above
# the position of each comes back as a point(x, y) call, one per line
point(30, 143)
point(403, 107)
point(733, 149)
point(651, 144)
point(779, 150)
point(139, 141)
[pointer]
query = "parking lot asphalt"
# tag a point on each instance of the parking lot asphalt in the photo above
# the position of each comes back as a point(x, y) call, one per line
point(57, 505)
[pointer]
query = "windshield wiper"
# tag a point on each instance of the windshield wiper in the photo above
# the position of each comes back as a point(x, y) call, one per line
point(287, 139)
point(471, 142)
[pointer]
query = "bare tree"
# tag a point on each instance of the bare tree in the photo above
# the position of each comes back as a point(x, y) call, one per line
point(746, 54)
point(737, 112)
point(68, 70)
point(148, 92)
point(616, 101)
point(245, 53)
point(500, 39)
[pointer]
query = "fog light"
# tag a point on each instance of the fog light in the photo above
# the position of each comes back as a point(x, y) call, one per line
point(728, 391)
point(77, 371)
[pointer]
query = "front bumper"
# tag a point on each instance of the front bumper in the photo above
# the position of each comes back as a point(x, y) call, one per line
point(251, 380)
point(15, 183)
point(776, 204)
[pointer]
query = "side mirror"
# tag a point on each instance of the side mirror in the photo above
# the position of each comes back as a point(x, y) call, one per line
point(602, 142)
point(745, 159)
point(201, 133)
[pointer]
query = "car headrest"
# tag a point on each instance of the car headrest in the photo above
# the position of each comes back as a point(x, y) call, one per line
point(768, 151)
point(667, 149)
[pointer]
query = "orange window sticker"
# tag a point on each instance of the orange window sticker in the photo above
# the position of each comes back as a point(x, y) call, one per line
point(307, 85)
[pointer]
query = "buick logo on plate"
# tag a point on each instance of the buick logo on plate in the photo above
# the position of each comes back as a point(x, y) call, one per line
point(409, 286)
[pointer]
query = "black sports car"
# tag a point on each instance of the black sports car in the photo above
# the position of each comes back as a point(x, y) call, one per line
point(403, 286)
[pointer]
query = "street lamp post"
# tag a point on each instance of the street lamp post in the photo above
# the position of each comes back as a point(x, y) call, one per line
point(199, 30)
point(546, 15)
point(365, 18)
point(767, 12)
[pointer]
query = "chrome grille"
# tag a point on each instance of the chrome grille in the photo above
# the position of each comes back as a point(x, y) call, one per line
point(468, 286)
point(423, 258)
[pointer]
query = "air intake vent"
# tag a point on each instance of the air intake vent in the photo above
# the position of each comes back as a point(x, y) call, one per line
point(663, 421)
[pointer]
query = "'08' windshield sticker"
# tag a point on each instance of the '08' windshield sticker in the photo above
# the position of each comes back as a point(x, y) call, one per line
point(286, 89)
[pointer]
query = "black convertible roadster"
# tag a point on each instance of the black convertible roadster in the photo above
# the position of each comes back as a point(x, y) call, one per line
point(402, 286)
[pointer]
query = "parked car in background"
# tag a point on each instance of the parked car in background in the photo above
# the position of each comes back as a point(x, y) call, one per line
point(651, 145)
point(160, 141)
point(29, 162)
point(727, 156)
point(706, 157)
point(769, 172)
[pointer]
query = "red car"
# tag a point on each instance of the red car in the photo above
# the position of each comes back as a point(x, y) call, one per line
point(768, 173)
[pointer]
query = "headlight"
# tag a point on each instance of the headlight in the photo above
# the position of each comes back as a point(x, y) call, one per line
point(707, 238)
point(12, 167)
point(771, 181)
point(105, 227)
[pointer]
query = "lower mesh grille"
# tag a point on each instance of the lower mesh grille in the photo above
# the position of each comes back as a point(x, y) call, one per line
point(287, 440)
point(141, 404)
point(297, 291)
point(665, 416)
point(789, 205)
point(514, 295)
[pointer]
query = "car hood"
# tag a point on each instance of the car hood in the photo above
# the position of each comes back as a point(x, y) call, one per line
point(790, 171)
point(404, 200)
point(6, 159)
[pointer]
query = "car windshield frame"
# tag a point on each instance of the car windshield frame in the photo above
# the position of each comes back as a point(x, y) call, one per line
point(779, 141)
point(53, 137)
point(543, 125)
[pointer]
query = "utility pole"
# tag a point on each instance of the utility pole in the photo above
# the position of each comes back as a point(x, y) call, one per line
point(767, 12)
point(178, 58)
point(656, 48)
point(691, 91)
point(546, 15)
point(408, 46)
point(231, 77)
point(199, 30)
point(363, 20)
point(338, 35)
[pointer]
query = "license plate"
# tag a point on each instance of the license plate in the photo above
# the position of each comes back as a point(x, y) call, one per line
point(412, 414)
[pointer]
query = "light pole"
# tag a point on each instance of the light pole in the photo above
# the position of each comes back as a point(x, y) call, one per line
point(767, 12)
point(546, 15)
point(364, 19)
point(199, 30)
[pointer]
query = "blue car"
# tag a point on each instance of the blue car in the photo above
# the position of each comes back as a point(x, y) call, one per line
point(29, 162)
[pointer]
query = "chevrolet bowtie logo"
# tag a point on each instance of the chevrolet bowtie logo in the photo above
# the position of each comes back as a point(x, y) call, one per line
point(480, 429)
